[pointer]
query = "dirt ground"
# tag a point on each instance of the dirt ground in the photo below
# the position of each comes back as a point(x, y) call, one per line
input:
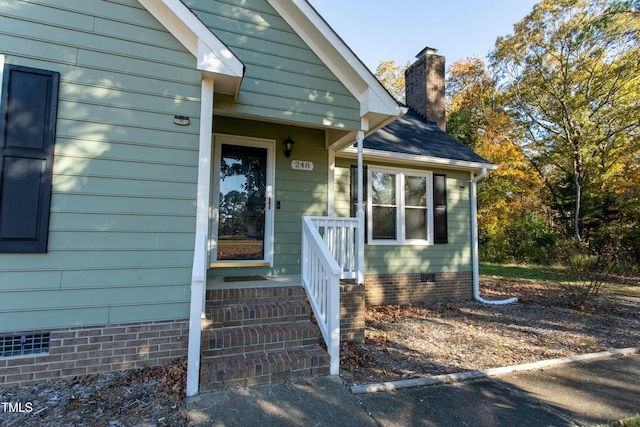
point(448, 337)
point(401, 342)
point(140, 397)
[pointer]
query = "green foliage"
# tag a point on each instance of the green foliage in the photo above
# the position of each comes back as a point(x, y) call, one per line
point(525, 238)
point(511, 221)
point(570, 74)
point(558, 110)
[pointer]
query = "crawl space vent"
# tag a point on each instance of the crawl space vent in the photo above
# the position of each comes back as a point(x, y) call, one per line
point(428, 277)
point(21, 345)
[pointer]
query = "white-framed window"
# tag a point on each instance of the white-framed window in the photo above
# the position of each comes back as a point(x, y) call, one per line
point(399, 206)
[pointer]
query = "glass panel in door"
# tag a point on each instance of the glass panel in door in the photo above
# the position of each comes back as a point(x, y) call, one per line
point(242, 203)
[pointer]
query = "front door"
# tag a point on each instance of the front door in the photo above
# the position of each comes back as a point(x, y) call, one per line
point(242, 201)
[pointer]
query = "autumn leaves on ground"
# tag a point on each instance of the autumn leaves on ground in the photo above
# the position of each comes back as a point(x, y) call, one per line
point(401, 342)
point(447, 337)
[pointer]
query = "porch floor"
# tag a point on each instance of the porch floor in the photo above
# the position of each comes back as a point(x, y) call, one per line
point(272, 281)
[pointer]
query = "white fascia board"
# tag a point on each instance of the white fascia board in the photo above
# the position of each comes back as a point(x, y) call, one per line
point(412, 159)
point(213, 57)
point(374, 103)
point(336, 55)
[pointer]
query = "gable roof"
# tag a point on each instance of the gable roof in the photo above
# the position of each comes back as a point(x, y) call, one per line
point(377, 106)
point(214, 58)
point(413, 139)
point(410, 138)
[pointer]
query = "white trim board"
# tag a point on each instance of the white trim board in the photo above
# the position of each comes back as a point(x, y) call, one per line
point(214, 59)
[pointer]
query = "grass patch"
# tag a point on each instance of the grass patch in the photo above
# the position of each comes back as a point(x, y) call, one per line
point(531, 272)
point(630, 290)
point(632, 422)
point(628, 422)
point(613, 285)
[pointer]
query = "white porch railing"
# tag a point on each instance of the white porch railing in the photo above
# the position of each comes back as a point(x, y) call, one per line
point(321, 280)
point(339, 234)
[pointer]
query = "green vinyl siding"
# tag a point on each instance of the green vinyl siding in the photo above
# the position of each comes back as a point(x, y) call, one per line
point(398, 259)
point(299, 192)
point(284, 79)
point(124, 176)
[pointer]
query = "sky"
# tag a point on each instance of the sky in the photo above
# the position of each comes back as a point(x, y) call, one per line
point(377, 30)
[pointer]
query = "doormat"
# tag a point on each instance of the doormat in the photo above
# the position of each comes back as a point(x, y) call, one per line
point(243, 278)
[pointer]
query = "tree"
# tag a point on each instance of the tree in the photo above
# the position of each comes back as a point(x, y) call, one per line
point(570, 72)
point(392, 78)
point(512, 220)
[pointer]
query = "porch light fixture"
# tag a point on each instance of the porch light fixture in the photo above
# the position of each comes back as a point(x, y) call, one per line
point(288, 146)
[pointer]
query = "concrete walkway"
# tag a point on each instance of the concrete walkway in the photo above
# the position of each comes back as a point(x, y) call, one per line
point(577, 394)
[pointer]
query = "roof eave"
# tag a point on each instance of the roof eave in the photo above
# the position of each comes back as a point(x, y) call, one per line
point(419, 160)
point(377, 106)
point(213, 58)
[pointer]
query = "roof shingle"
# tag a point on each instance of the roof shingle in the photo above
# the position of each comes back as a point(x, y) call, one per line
point(412, 134)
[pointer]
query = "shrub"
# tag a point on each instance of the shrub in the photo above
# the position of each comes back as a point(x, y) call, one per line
point(526, 238)
point(584, 277)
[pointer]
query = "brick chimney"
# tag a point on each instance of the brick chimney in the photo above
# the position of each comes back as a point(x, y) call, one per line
point(424, 86)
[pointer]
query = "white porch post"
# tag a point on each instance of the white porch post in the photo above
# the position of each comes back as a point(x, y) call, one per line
point(331, 192)
point(360, 212)
point(199, 271)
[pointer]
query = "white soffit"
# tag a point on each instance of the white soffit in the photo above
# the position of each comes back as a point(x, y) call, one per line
point(375, 102)
point(214, 59)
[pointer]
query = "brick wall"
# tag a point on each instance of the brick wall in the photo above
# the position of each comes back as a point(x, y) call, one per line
point(92, 350)
point(352, 312)
point(412, 288)
point(424, 86)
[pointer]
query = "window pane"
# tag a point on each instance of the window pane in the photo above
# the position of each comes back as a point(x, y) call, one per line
point(241, 222)
point(415, 189)
point(416, 223)
point(384, 223)
point(383, 188)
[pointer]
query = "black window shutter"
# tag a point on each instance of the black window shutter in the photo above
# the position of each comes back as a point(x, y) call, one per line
point(354, 195)
point(440, 209)
point(27, 133)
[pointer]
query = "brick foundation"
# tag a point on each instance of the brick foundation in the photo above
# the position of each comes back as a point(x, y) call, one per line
point(91, 350)
point(414, 288)
point(352, 312)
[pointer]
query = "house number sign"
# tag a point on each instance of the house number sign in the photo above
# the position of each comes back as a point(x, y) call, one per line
point(301, 165)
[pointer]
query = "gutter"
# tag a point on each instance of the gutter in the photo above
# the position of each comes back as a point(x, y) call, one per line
point(474, 244)
point(414, 159)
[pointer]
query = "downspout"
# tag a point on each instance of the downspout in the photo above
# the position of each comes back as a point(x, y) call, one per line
point(474, 243)
point(360, 212)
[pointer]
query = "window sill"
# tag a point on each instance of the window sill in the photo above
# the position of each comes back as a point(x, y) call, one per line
point(399, 243)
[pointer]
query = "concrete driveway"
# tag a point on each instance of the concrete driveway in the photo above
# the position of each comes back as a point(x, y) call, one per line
point(585, 393)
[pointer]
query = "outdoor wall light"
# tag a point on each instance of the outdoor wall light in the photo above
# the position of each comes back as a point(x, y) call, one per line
point(181, 120)
point(288, 146)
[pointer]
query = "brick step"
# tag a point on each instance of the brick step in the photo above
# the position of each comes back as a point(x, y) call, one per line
point(257, 313)
point(270, 337)
point(221, 297)
point(262, 367)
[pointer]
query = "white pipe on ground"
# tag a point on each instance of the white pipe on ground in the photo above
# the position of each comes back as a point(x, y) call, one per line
point(474, 243)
